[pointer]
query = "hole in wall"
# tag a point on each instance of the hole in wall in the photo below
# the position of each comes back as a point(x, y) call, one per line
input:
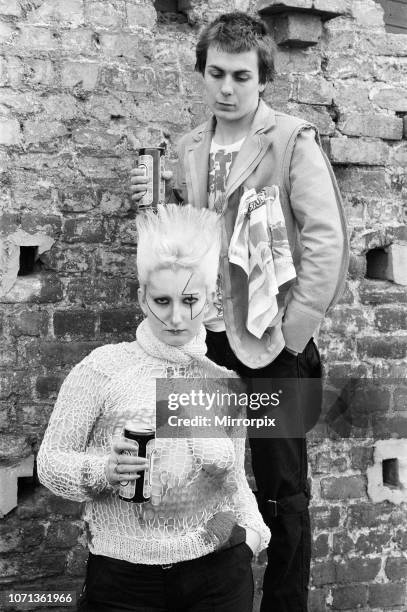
point(377, 263)
point(28, 257)
point(390, 471)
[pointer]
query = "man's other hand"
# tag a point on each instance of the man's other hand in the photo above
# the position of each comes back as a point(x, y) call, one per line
point(138, 182)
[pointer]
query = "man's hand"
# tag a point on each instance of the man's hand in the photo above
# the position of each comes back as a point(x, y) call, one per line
point(138, 182)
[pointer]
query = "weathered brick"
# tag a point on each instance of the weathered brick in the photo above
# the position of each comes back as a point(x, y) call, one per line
point(10, 7)
point(20, 102)
point(39, 72)
point(62, 535)
point(119, 321)
point(396, 568)
point(37, 288)
point(339, 67)
point(361, 457)
point(33, 38)
point(313, 90)
point(6, 32)
point(76, 561)
point(325, 461)
point(382, 292)
point(385, 347)
point(317, 600)
point(405, 127)
point(317, 115)
point(117, 262)
point(106, 15)
point(391, 98)
point(346, 319)
point(357, 266)
point(297, 29)
point(386, 595)
point(96, 138)
point(13, 448)
point(98, 291)
point(122, 44)
point(342, 543)
point(322, 573)
point(58, 12)
point(343, 487)
point(325, 517)
point(349, 597)
point(351, 93)
point(373, 542)
point(43, 131)
point(64, 353)
point(367, 14)
point(368, 514)
point(358, 570)
point(141, 15)
point(14, 382)
point(320, 546)
point(47, 387)
point(8, 354)
point(73, 323)
point(368, 124)
point(390, 318)
point(29, 323)
point(10, 132)
point(83, 229)
point(79, 41)
point(358, 151)
point(83, 74)
point(20, 538)
point(400, 398)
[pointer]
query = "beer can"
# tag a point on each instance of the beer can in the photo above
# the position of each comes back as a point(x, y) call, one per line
point(142, 437)
point(151, 161)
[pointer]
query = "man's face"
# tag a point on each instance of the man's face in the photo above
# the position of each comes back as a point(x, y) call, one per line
point(232, 84)
point(174, 303)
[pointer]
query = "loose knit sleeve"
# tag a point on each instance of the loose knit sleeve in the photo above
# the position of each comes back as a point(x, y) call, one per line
point(65, 465)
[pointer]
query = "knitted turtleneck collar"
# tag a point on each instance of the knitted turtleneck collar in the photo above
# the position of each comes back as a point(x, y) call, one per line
point(196, 349)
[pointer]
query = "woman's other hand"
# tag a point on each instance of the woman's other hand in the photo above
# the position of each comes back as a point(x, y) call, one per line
point(122, 466)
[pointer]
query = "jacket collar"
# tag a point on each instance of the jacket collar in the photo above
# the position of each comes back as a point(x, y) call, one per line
point(253, 148)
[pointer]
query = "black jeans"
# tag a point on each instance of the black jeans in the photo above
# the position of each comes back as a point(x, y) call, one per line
point(221, 581)
point(280, 468)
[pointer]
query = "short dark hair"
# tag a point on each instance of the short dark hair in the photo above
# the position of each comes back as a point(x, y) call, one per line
point(237, 33)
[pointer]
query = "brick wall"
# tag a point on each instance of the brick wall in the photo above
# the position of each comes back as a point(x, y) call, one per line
point(84, 82)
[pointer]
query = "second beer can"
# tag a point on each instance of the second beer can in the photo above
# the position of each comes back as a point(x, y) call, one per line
point(151, 161)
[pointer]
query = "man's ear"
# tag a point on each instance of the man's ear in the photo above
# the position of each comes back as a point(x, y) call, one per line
point(141, 294)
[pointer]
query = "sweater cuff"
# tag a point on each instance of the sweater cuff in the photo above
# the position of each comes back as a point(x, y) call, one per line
point(94, 475)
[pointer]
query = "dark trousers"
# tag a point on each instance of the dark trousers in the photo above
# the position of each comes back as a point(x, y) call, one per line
point(280, 468)
point(221, 581)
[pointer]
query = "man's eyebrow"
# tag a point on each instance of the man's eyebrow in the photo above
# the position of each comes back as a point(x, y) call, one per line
point(238, 71)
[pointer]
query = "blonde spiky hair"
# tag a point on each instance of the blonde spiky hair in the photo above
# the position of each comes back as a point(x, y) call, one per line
point(178, 237)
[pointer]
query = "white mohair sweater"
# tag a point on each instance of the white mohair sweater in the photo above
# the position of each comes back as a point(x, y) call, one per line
point(116, 383)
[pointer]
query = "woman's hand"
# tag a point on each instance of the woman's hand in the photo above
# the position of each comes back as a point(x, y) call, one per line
point(122, 467)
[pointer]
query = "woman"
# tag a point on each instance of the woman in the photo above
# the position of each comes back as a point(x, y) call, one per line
point(190, 546)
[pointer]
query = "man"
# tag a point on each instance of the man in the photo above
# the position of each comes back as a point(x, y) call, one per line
point(248, 146)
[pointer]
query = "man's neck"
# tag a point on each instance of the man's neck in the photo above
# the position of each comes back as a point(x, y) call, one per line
point(229, 132)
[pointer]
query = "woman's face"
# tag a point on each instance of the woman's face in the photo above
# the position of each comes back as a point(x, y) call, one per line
point(174, 303)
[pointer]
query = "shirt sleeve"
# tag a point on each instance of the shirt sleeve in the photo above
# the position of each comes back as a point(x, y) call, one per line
point(65, 464)
point(322, 241)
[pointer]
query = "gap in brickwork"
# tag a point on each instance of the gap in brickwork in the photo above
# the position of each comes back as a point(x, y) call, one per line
point(390, 469)
point(168, 12)
point(28, 260)
point(377, 261)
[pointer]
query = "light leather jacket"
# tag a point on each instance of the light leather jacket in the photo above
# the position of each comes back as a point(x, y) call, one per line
point(285, 151)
